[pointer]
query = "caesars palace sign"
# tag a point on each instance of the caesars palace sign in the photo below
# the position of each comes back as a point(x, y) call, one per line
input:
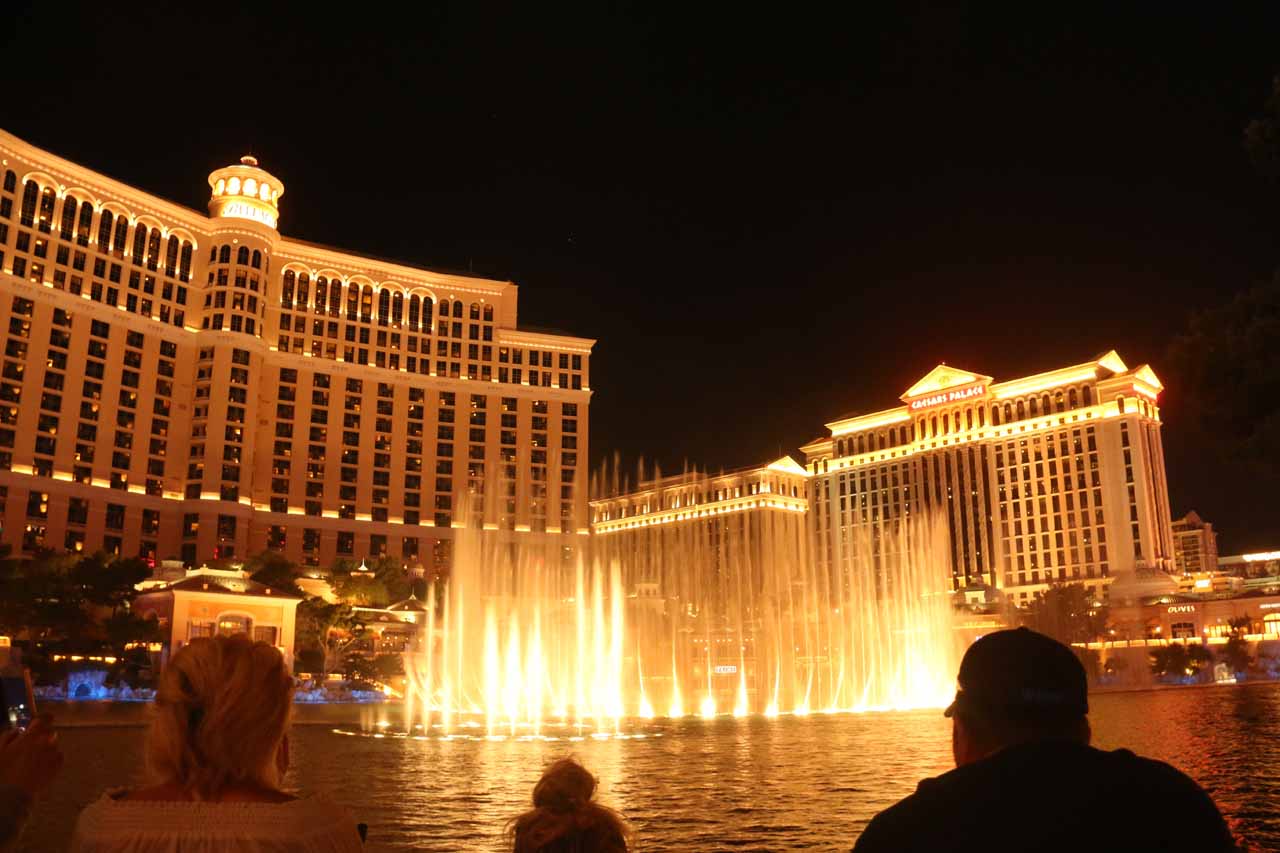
point(955, 395)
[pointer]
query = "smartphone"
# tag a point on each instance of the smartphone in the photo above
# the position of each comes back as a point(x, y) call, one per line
point(17, 700)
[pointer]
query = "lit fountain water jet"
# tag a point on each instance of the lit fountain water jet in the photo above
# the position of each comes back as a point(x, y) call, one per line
point(732, 610)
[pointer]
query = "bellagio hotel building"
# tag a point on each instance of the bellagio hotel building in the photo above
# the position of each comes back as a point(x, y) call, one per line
point(1054, 477)
point(176, 384)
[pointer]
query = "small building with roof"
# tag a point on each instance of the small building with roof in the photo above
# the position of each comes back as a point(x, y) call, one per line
point(208, 602)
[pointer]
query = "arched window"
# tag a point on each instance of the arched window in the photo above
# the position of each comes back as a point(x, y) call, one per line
point(1087, 393)
point(1045, 406)
point(384, 306)
point(48, 200)
point(242, 255)
point(862, 444)
point(213, 254)
point(1060, 402)
point(286, 289)
point(256, 263)
point(10, 181)
point(104, 231)
point(1035, 406)
point(171, 257)
point(457, 310)
point(475, 311)
point(224, 254)
point(366, 304)
point(933, 426)
point(353, 301)
point(121, 241)
point(322, 294)
point(1120, 403)
point(1008, 413)
point(153, 249)
point(946, 423)
point(1073, 399)
point(139, 243)
point(69, 205)
point(968, 418)
point(413, 313)
point(425, 323)
point(30, 197)
point(1022, 410)
point(302, 294)
point(995, 415)
point(982, 416)
point(184, 270)
point(397, 308)
point(85, 228)
point(488, 313)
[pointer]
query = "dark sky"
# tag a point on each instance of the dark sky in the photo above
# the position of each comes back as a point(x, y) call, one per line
point(767, 220)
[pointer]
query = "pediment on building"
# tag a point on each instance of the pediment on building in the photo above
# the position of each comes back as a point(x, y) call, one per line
point(1145, 374)
point(1112, 361)
point(788, 465)
point(943, 378)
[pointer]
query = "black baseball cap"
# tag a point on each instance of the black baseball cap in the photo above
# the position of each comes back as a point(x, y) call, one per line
point(1022, 675)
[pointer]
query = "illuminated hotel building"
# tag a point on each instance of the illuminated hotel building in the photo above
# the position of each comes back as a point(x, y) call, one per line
point(1048, 478)
point(197, 385)
point(1195, 545)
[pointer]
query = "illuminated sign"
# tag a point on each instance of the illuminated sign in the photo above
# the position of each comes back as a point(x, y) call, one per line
point(953, 396)
point(248, 210)
point(728, 669)
point(1182, 608)
point(1270, 606)
point(1261, 557)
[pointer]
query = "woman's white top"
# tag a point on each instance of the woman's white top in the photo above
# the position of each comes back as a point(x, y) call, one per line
point(308, 825)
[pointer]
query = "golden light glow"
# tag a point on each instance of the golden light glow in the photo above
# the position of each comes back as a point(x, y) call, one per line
point(1043, 382)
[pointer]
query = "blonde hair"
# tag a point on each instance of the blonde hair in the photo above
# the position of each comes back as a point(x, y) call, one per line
point(222, 709)
point(565, 816)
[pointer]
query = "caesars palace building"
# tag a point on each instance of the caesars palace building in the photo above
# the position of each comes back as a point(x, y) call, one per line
point(1054, 477)
point(176, 384)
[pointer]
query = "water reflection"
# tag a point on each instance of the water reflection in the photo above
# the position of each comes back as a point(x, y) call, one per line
point(746, 784)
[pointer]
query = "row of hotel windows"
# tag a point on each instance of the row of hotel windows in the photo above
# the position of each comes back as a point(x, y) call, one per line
point(965, 418)
point(683, 497)
point(19, 354)
point(1050, 504)
point(31, 257)
point(412, 448)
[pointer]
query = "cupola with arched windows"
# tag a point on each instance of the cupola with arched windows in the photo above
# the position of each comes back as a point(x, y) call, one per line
point(245, 191)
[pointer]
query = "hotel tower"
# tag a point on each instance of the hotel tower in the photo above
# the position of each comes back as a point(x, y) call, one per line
point(1053, 477)
point(192, 385)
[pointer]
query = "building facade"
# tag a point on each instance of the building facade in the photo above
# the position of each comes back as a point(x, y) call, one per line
point(213, 602)
point(1053, 477)
point(1195, 545)
point(191, 385)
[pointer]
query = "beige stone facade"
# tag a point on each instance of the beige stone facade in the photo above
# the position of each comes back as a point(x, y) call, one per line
point(194, 385)
point(1195, 545)
point(1054, 477)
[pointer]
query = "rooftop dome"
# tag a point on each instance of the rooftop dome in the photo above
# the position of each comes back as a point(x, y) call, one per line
point(245, 191)
point(1140, 584)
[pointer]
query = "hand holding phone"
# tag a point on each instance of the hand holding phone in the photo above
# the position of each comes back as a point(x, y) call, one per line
point(30, 759)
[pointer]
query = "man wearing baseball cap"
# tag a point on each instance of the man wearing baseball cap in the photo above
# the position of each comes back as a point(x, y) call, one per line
point(1026, 777)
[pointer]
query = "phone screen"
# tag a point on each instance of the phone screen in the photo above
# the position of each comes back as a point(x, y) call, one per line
point(19, 703)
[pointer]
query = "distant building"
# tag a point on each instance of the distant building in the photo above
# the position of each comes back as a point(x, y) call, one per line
point(394, 629)
point(208, 602)
point(1261, 564)
point(1195, 545)
point(1054, 477)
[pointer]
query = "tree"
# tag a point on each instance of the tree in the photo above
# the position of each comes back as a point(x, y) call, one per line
point(329, 629)
point(1235, 653)
point(1179, 660)
point(1262, 135)
point(273, 569)
point(1067, 613)
point(109, 583)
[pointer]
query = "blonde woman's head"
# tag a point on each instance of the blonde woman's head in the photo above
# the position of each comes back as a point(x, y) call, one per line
point(222, 710)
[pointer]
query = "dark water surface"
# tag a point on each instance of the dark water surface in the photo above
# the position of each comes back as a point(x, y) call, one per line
point(785, 784)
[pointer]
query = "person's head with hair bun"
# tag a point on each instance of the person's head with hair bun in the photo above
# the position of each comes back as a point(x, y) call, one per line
point(565, 817)
point(221, 716)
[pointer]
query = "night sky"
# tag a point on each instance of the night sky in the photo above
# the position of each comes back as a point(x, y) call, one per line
point(767, 221)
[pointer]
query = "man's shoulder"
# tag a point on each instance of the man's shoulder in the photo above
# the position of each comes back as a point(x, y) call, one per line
point(910, 820)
